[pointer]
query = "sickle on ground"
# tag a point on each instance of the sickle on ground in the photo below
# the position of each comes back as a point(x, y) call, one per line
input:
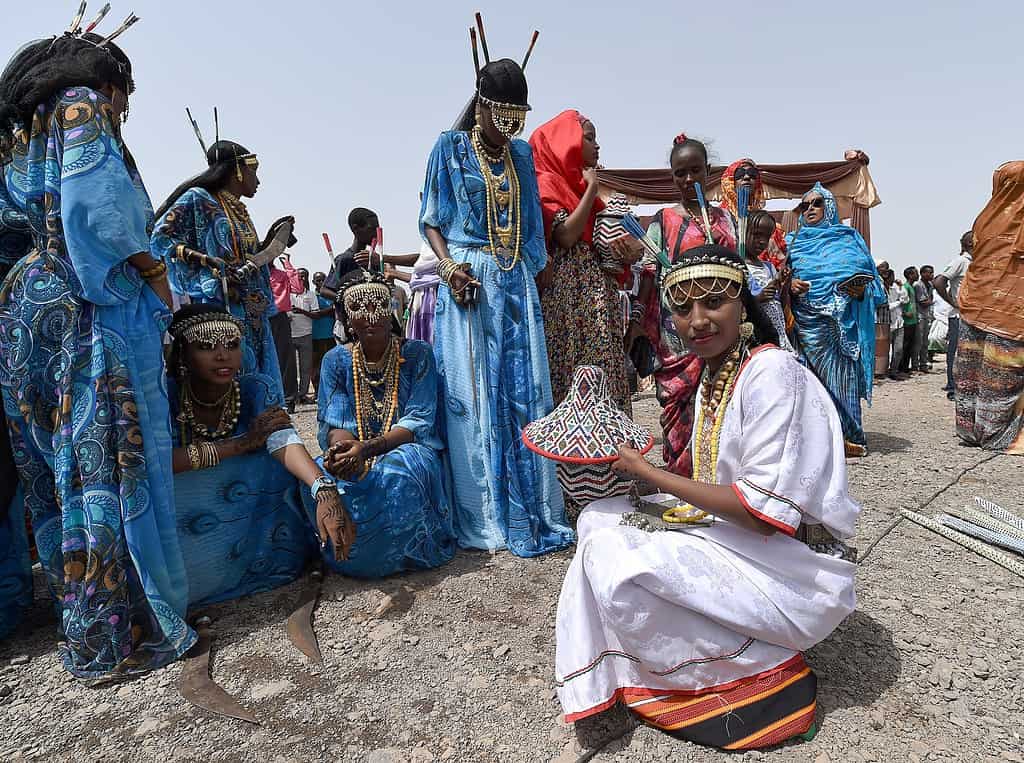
point(197, 687)
point(300, 622)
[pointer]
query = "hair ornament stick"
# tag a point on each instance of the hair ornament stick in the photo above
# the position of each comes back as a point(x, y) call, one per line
point(476, 53)
point(529, 50)
point(99, 17)
point(742, 202)
point(216, 135)
point(76, 22)
point(704, 213)
point(483, 38)
point(195, 128)
point(125, 25)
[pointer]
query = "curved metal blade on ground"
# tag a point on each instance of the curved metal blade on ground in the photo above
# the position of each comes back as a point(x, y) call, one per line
point(198, 688)
point(300, 622)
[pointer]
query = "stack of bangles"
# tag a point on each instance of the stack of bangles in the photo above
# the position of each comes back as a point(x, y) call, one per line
point(447, 267)
point(155, 273)
point(202, 455)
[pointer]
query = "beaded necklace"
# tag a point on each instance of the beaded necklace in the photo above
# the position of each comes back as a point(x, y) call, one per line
point(231, 408)
point(375, 418)
point(715, 397)
point(506, 256)
point(240, 225)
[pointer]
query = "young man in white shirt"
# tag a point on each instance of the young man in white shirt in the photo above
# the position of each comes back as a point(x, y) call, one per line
point(898, 297)
point(305, 306)
point(947, 284)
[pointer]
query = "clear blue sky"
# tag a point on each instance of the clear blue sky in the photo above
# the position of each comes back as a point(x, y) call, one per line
point(343, 101)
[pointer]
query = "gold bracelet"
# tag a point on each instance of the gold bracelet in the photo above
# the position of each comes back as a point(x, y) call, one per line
point(155, 272)
point(193, 456)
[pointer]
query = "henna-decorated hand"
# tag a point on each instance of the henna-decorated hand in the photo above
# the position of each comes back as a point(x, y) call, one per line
point(631, 464)
point(334, 523)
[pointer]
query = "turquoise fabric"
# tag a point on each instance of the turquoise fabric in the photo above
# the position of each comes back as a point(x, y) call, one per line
point(493, 360)
point(836, 332)
point(82, 372)
point(197, 220)
point(402, 507)
point(241, 524)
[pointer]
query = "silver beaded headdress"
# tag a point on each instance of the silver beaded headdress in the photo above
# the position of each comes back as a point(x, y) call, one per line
point(213, 328)
point(369, 300)
point(509, 118)
point(680, 286)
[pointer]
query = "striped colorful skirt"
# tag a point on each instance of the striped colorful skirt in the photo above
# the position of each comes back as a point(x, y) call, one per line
point(699, 633)
point(989, 390)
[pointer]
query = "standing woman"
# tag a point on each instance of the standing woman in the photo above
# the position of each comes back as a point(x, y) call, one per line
point(579, 297)
point(676, 230)
point(835, 318)
point(204, 232)
point(481, 216)
point(81, 364)
point(989, 370)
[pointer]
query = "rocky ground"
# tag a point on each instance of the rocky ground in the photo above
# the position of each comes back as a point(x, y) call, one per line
point(456, 664)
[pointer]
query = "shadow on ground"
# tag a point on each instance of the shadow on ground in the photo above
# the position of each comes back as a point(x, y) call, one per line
point(883, 444)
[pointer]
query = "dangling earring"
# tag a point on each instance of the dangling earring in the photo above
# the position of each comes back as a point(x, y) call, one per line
point(746, 327)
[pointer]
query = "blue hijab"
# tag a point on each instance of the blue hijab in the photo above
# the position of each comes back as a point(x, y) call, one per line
point(827, 254)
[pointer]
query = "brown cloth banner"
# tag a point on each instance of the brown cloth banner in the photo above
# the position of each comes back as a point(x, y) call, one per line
point(848, 180)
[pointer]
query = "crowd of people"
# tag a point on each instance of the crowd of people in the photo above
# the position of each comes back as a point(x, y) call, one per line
point(149, 362)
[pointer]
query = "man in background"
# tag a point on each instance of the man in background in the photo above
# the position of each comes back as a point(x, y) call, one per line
point(898, 297)
point(305, 306)
point(909, 320)
point(947, 284)
point(924, 294)
point(284, 281)
point(323, 330)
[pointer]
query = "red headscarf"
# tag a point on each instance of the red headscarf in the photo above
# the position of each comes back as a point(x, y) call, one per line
point(775, 252)
point(558, 156)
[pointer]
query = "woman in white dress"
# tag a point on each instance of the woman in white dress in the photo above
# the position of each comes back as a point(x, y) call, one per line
point(700, 631)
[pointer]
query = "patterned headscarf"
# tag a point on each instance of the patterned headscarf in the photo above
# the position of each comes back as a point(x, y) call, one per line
point(775, 252)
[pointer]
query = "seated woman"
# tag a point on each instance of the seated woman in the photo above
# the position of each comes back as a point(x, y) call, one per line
point(241, 524)
point(700, 632)
point(379, 429)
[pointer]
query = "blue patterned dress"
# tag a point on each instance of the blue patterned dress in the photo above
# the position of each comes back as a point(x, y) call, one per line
point(241, 524)
point(15, 565)
point(836, 333)
point(201, 222)
point(494, 361)
point(401, 507)
point(82, 373)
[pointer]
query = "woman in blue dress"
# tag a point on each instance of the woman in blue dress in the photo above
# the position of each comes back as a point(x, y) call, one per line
point(835, 318)
point(81, 364)
point(205, 236)
point(481, 215)
point(238, 464)
point(380, 431)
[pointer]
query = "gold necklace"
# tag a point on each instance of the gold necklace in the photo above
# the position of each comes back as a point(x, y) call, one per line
point(230, 411)
point(500, 236)
point(243, 232)
point(375, 418)
point(715, 398)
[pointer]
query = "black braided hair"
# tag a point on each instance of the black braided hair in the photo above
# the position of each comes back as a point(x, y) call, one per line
point(764, 330)
point(43, 68)
point(502, 81)
point(222, 159)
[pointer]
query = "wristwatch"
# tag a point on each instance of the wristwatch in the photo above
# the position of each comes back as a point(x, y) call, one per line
point(321, 482)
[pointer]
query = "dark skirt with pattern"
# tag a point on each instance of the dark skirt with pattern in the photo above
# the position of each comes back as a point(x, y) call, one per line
point(989, 390)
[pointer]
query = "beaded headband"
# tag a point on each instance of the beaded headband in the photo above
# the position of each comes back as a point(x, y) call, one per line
point(680, 285)
point(370, 301)
point(214, 328)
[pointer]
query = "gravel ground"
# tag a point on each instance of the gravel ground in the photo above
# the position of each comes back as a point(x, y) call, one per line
point(456, 664)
